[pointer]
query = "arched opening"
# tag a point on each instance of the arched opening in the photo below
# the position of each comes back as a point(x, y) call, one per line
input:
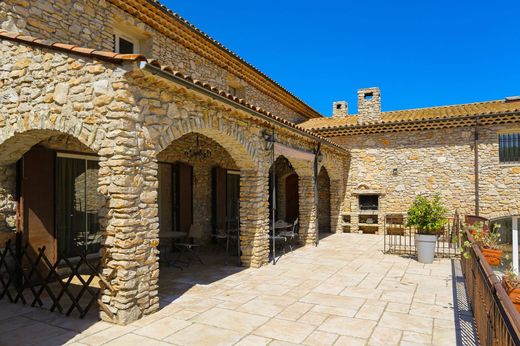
point(49, 188)
point(283, 202)
point(324, 225)
point(199, 202)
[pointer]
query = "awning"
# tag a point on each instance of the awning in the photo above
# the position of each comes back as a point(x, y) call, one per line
point(280, 149)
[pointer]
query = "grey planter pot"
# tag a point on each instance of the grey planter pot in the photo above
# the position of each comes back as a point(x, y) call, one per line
point(425, 246)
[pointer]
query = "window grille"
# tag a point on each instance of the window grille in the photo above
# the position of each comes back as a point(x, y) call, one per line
point(509, 147)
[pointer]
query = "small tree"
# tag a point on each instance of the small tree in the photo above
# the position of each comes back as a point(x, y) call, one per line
point(427, 215)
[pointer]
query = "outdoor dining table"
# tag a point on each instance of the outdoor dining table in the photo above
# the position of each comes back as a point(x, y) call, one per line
point(173, 237)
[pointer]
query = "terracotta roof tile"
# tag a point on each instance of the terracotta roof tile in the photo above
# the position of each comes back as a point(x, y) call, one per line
point(93, 53)
point(111, 56)
point(452, 112)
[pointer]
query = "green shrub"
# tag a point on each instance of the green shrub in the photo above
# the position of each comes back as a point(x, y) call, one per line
point(427, 215)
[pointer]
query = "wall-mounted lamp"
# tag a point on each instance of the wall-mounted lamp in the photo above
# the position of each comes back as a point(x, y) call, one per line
point(269, 140)
point(394, 172)
point(320, 157)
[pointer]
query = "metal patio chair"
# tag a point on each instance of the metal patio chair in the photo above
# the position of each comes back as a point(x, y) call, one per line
point(291, 235)
point(190, 248)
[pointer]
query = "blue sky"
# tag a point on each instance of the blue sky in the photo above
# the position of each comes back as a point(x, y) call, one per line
point(420, 53)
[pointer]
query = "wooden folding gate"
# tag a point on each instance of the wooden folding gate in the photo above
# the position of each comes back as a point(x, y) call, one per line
point(28, 276)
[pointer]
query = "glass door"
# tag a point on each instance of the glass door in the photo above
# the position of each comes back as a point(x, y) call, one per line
point(77, 205)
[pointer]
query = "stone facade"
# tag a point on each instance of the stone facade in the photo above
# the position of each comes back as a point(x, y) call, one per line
point(91, 23)
point(399, 166)
point(131, 119)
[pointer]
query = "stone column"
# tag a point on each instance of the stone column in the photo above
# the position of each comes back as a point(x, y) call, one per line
point(7, 202)
point(336, 199)
point(128, 180)
point(254, 217)
point(308, 210)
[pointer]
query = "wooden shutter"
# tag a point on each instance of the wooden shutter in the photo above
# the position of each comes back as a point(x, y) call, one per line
point(292, 200)
point(219, 198)
point(37, 186)
point(184, 196)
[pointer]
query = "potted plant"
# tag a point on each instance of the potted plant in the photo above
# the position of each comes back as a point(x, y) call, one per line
point(489, 244)
point(428, 217)
point(511, 283)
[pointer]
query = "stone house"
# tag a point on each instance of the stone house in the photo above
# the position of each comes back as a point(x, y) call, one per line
point(156, 127)
point(152, 129)
point(467, 153)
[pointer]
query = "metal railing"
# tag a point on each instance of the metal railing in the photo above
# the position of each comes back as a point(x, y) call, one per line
point(496, 318)
point(400, 239)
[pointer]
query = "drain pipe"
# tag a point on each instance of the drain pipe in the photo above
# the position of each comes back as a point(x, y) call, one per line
point(476, 167)
point(317, 154)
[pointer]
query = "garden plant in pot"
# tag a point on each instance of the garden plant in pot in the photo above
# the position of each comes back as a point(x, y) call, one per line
point(488, 241)
point(427, 215)
point(511, 283)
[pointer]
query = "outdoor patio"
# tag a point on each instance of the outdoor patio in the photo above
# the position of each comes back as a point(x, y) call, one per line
point(344, 292)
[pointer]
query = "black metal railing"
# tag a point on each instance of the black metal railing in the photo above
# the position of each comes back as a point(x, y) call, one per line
point(66, 285)
point(496, 318)
point(400, 239)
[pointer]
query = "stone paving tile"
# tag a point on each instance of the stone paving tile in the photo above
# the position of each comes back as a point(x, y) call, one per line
point(267, 305)
point(295, 311)
point(134, 339)
point(348, 326)
point(233, 320)
point(284, 330)
point(162, 328)
point(345, 340)
point(344, 292)
point(371, 311)
point(253, 340)
point(203, 335)
point(383, 336)
point(407, 322)
point(106, 335)
point(318, 338)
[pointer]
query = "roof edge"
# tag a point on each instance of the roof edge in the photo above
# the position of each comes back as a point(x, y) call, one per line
point(309, 113)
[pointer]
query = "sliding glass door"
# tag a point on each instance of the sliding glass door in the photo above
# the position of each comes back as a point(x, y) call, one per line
point(77, 205)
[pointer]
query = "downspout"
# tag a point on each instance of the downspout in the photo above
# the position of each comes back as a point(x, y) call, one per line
point(476, 168)
point(316, 200)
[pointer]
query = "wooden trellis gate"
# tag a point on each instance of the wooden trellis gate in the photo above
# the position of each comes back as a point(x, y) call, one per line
point(27, 276)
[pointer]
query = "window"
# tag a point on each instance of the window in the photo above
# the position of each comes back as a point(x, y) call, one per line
point(125, 44)
point(509, 147)
point(232, 91)
point(369, 96)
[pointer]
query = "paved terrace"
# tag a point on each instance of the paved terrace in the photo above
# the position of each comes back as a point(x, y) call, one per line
point(345, 292)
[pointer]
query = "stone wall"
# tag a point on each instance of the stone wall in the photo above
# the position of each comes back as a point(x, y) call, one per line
point(7, 203)
point(91, 23)
point(428, 162)
point(128, 116)
point(324, 210)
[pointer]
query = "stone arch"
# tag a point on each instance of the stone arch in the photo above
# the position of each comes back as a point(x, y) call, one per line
point(14, 143)
point(14, 146)
point(243, 147)
point(324, 201)
point(248, 154)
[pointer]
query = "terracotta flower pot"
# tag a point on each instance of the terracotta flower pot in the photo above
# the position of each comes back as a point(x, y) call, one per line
point(493, 257)
point(513, 293)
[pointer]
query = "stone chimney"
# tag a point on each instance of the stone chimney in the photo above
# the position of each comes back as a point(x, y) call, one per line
point(369, 104)
point(339, 109)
